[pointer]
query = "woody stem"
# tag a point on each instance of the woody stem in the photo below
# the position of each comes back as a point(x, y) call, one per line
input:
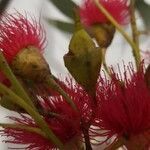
point(87, 138)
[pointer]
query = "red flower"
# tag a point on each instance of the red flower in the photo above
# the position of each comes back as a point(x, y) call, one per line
point(64, 121)
point(123, 106)
point(90, 14)
point(17, 33)
point(31, 140)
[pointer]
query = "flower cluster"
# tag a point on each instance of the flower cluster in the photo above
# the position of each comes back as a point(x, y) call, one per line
point(116, 109)
point(61, 118)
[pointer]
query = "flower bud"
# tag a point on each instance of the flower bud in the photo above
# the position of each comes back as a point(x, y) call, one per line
point(83, 59)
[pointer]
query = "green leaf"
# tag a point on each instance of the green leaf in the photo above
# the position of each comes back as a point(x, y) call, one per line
point(61, 25)
point(65, 6)
point(144, 10)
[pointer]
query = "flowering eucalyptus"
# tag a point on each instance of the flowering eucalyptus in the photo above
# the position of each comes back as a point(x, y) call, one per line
point(124, 108)
point(87, 109)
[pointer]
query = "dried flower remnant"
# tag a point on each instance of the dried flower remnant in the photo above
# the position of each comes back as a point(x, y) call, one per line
point(124, 108)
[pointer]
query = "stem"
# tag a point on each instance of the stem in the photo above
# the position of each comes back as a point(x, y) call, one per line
point(86, 138)
point(23, 127)
point(38, 119)
point(53, 84)
point(85, 129)
point(125, 35)
point(146, 32)
point(17, 86)
point(135, 32)
point(104, 62)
